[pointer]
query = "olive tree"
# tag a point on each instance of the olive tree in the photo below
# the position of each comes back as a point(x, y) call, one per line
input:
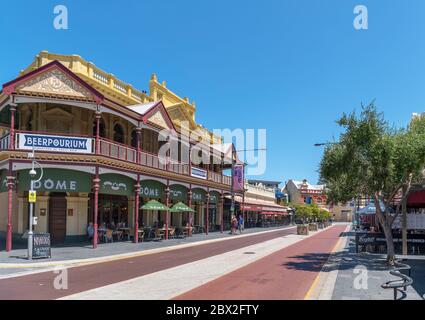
point(371, 157)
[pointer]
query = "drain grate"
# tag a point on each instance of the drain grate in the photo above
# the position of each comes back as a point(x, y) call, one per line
point(249, 252)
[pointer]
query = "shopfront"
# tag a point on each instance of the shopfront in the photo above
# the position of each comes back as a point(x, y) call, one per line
point(178, 193)
point(151, 190)
point(199, 205)
point(213, 218)
point(62, 203)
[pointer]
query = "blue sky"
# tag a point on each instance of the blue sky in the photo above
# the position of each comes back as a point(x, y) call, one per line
point(290, 66)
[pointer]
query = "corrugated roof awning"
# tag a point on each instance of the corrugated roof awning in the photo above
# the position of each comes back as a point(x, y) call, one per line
point(251, 204)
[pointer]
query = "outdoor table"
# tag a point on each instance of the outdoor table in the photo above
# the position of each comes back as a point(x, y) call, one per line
point(118, 233)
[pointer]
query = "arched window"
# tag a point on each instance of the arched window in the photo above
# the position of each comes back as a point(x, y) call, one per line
point(118, 133)
point(102, 130)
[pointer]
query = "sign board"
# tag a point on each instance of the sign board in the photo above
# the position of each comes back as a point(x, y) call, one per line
point(56, 180)
point(41, 246)
point(32, 196)
point(378, 239)
point(198, 173)
point(28, 141)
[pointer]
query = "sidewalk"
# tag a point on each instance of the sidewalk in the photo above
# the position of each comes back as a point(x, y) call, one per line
point(15, 261)
point(338, 278)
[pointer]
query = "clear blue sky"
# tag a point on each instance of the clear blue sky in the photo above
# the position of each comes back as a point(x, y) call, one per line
point(291, 66)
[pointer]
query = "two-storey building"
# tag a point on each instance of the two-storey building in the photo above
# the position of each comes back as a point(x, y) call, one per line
point(99, 141)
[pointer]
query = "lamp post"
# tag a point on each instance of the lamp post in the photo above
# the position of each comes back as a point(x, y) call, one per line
point(32, 174)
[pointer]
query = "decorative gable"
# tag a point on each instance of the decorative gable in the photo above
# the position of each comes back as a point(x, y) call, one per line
point(158, 119)
point(53, 79)
point(54, 82)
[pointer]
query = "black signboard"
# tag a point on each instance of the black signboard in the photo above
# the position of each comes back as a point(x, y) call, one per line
point(41, 246)
point(378, 239)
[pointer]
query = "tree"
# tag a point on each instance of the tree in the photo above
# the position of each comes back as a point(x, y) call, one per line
point(371, 157)
point(303, 212)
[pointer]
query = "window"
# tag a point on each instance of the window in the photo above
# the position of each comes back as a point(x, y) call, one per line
point(118, 133)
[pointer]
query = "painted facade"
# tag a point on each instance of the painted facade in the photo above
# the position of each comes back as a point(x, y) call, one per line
point(97, 139)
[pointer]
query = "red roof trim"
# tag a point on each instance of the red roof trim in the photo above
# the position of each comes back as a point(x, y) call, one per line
point(159, 106)
point(9, 87)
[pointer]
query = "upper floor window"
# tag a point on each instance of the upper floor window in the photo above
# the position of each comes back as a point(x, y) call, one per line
point(118, 133)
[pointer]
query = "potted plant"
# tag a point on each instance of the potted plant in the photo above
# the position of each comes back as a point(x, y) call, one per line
point(302, 216)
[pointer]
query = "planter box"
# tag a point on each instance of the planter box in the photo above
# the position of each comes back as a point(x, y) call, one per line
point(302, 229)
point(312, 227)
point(320, 225)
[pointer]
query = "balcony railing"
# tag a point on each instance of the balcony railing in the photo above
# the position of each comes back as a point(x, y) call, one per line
point(5, 142)
point(119, 151)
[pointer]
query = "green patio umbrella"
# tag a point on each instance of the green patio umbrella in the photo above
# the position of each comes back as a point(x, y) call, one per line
point(154, 205)
point(181, 207)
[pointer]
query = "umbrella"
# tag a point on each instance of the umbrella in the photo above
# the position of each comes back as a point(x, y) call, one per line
point(181, 207)
point(155, 205)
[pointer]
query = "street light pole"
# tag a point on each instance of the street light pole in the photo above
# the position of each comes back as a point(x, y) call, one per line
point(31, 217)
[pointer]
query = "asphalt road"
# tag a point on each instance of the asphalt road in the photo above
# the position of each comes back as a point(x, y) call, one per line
point(40, 285)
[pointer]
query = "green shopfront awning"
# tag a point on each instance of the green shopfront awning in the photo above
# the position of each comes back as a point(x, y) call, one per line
point(181, 207)
point(154, 205)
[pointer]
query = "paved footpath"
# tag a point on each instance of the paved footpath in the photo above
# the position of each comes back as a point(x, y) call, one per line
point(88, 277)
point(286, 274)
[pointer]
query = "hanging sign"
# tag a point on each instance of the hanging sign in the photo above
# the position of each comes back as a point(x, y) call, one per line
point(238, 178)
point(27, 141)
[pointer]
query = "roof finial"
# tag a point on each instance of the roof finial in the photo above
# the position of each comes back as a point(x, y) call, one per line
point(153, 77)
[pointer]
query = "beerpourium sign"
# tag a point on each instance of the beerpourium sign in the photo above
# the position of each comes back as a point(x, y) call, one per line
point(27, 141)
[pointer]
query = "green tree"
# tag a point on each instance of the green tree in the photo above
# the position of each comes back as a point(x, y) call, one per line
point(303, 212)
point(371, 157)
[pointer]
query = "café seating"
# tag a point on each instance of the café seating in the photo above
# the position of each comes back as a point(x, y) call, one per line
point(108, 236)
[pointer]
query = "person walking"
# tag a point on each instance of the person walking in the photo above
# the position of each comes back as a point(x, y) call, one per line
point(241, 224)
point(234, 223)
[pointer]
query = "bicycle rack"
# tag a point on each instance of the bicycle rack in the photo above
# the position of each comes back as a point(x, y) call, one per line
point(404, 280)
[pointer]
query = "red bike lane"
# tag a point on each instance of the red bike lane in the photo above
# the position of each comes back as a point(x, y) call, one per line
point(82, 278)
point(286, 274)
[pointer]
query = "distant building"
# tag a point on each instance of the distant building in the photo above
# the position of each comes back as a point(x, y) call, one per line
point(302, 192)
point(271, 185)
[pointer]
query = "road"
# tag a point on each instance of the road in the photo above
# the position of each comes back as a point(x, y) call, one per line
point(286, 274)
point(83, 278)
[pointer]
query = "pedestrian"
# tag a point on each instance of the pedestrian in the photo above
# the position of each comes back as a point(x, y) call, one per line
point(234, 223)
point(241, 223)
point(90, 231)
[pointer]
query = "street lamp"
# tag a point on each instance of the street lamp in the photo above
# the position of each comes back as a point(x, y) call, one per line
point(32, 174)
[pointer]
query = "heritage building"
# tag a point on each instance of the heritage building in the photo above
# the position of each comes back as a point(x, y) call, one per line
point(96, 138)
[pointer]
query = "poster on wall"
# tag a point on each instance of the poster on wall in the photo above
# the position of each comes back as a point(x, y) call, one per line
point(238, 178)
